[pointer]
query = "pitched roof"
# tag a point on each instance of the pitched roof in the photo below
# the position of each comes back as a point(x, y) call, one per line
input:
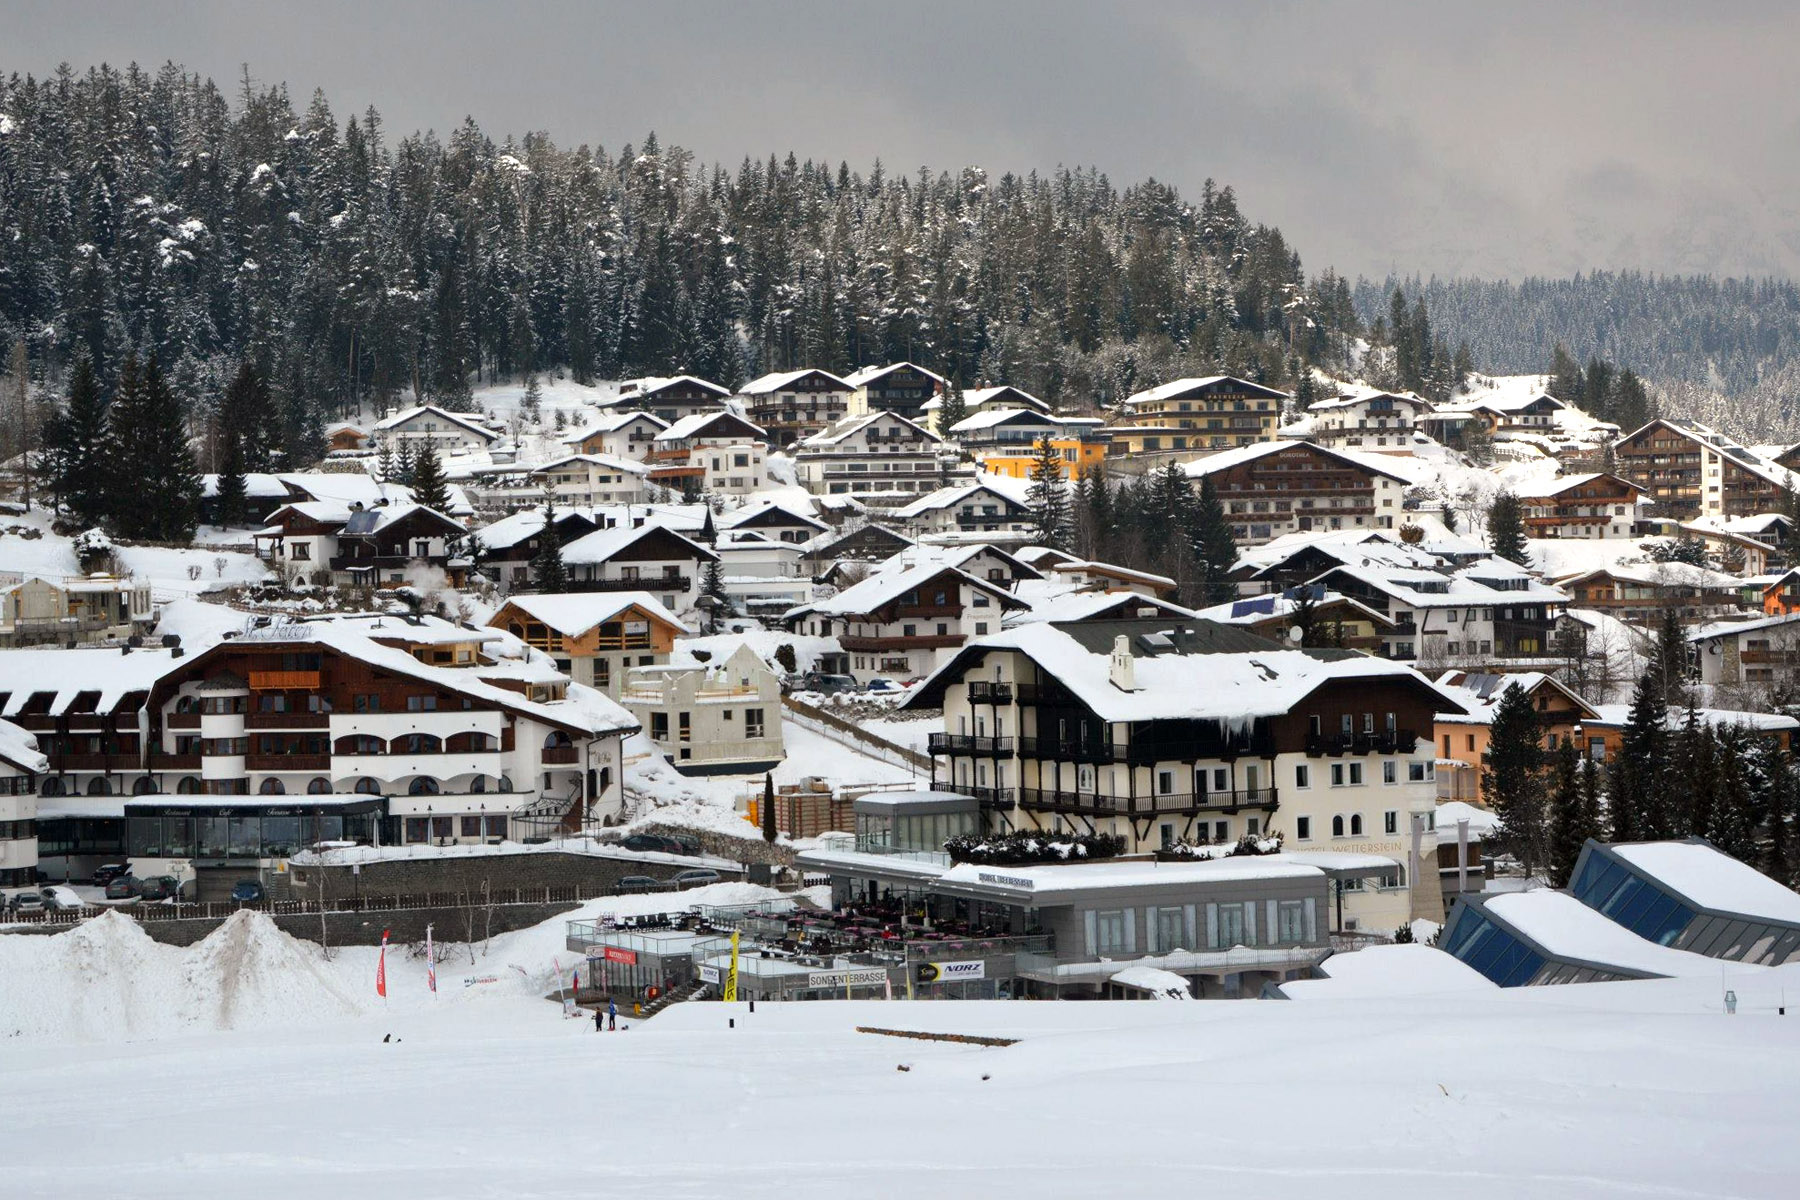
point(977, 397)
point(599, 460)
point(613, 422)
point(945, 497)
point(884, 587)
point(1177, 388)
point(845, 426)
point(650, 385)
point(864, 376)
point(462, 420)
point(527, 523)
point(1543, 488)
point(740, 517)
point(1224, 460)
point(988, 418)
point(574, 613)
point(695, 425)
point(776, 380)
point(604, 544)
point(1094, 606)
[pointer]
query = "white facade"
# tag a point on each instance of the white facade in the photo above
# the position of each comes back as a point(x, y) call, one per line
point(584, 480)
point(430, 425)
point(710, 717)
point(879, 458)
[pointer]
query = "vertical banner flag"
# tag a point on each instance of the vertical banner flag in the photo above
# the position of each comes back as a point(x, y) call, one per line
point(381, 968)
point(430, 963)
point(731, 975)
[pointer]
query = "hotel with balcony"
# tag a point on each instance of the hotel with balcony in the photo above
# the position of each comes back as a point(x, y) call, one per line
point(1164, 732)
point(710, 718)
point(901, 623)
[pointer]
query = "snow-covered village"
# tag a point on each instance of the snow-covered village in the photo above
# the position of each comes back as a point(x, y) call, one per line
point(530, 671)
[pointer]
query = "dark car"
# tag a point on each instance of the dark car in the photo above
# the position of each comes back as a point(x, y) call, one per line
point(827, 685)
point(159, 887)
point(633, 884)
point(110, 872)
point(247, 891)
point(659, 843)
point(27, 902)
point(124, 887)
point(698, 877)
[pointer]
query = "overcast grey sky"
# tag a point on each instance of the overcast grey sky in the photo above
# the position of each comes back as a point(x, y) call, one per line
point(1492, 139)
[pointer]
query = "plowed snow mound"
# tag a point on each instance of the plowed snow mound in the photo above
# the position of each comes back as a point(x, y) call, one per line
point(107, 981)
point(249, 973)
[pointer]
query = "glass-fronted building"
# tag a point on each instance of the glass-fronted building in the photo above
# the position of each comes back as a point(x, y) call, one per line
point(244, 830)
point(1689, 895)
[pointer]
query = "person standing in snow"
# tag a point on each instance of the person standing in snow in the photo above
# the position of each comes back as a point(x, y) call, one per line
point(599, 1019)
point(612, 1015)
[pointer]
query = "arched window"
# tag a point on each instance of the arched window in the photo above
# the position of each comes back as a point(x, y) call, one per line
point(478, 784)
point(368, 787)
point(187, 704)
point(506, 783)
point(1337, 826)
point(423, 785)
point(143, 785)
point(557, 739)
point(1356, 825)
point(98, 786)
point(272, 787)
point(470, 743)
point(318, 786)
point(189, 786)
point(416, 743)
point(51, 785)
point(360, 743)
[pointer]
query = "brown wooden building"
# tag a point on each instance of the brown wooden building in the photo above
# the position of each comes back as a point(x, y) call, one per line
point(1688, 468)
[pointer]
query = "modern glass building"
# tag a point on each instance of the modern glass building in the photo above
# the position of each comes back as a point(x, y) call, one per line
point(1690, 896)
point(1526, 939)
point(243, 830)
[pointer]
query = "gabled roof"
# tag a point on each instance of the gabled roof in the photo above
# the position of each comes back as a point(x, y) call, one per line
point(845, 426)
point(1224, 460)
point(651, 385)
point(1739, 455)
point(772, 513)
point(1708, 633)
point(370, 521)
point(1101, 606)
point(1112, 571)
point(1658, 574)
point(823, 545)
point(1180, 388)
point(884, 587)
point(1254, 610)
point(864, 376)
point(776, 380)
point(722, 423)
point(946, 497)
point(527, 523)
point(258, 485)
point(989, 418)
point(1545, 488)
point(599, 460)
point(1352, 399)
point(1005, 395)
point(574, 613)
point(612, 423)
point(604, 544)
point(1243, 675)
point(1480, 693)
point(461, 420)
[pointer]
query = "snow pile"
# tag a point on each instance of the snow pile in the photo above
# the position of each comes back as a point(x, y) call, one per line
point(1401, 970)
point(248, 972)
point(1161, 984)
point(105, 980)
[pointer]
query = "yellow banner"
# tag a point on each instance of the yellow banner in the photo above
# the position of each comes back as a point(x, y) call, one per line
point(731, 975)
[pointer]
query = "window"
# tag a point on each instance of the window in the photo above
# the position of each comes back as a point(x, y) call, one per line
point(300, 551)
point(1390, 771)
point(421, 703)
point(1356, 774)
point(659, 727)
point(1356, 825)
point(1165, 782)
point(1302, 775)
point(1420, 772)
point(1337, 826)
point(753, 722)
point(366, 702)
point(1337, 774)
point(1471, 741)
point(1112, 933)
point(981, 627)
point(1390, 821)
point(1303, 829)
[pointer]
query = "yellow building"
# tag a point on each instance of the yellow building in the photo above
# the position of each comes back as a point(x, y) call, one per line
point(1007, 441)
point(1214, 413)
point(1077, 454)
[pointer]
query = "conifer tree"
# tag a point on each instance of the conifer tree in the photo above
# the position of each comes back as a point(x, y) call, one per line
point(712, 588)
point(1778, 841)
point(1048, 497)
point(157, 485)
point(386, 466)
point(1642, 768)
point(1215, 547)
point(429, 486)
point(1506, 529)
point(951, 409)
point(247, 413)
point(1685, 806)
point(1511, 782)
point(229, 500)
point(1669, 659)
point(1568, 828)
point(769, 830)
point(547, 566)
point(1731, 820)
point(75, 443)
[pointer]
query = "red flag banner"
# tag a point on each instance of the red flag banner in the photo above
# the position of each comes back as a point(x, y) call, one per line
point(430, 962)
point(381, 968)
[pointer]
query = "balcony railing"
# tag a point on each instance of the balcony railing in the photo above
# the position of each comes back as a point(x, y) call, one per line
point(963, 743)
point(288, 720)
point(987, 691)
point(287, 762)
point(184, 720)
point(1096, 804)
point(1080, 803)
point(1333, 745)
point(561, 754)
point(1072, 750)
point(917, 641)
point(645, 583)
point(1044, 693)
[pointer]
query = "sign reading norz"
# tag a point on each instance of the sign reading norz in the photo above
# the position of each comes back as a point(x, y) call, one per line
point(946, 972)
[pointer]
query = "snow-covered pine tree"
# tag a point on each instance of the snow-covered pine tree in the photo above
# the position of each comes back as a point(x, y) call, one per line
point(429, 485)
point(1731, 818)
point(712, 589)
point(951, 410)
point(75, 447)
point(1670, 658)
point(1778, 845)
point(1511, 782)
point(1048, 497)
point(547, 567)
point(1214, 545)
point(229, 498)
point(1642, 767)
point(1506, 529)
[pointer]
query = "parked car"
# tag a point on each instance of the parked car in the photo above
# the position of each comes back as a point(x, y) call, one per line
point(63, 899)
point(124, 887)
point(698, 877)
point(827, 685)
point(110, 872)
point(27, 902)
point(159, 887)
point(882, 687)
point(247, 891)
point(639, 883)
point(660, 844)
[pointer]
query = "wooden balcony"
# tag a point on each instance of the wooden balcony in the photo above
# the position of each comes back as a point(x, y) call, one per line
point(988, 691)
point(969, 744)
point(646, 583)
point(562, 754)
point(287, 762)
point(281, 681)
point(184, 720)
point(877, 644)
point(289, 720)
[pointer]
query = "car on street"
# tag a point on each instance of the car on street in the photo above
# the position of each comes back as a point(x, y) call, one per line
point(633, 884)
point(159, 887)
point(63, 899)
point(827, 685)
point(883, 687)
point(698, 877)
point(110, 872)
point(124, 887)
point(24, 903)
point(247, 891)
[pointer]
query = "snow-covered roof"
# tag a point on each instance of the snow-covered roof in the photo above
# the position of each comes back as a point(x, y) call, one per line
point(1408, 586)
point(1661, 574)
point(755, 511)
point(1408, 969)
point(20, 748)
point(776, 380)
point(598, 460)
point(517, 527)
point(1245, 676)
point(1740, 455)
point(1040, 879)
point(1619, 715)
point(846, 426)
point(1712, 879)
point(574, 613)
point(1237, 456)
point(1480, 693)
point(988, 418)
point(1112, 571)
point(1175, 389)
point(695, 425)
point(603, 544)
point(1719, 629)
point(974, 398)
point(1568, 929)
point(947, 497)
point(258, 485)
point(612, 423)
point(649, 385)
point(1161, 984)
point(1090, 605)
point(1352, 399)
point(461, 420)
point(867, 375)
point(1254, 610)
point(1481, 821)
point(66, 674)
point(1536, 489)
point(886, 586)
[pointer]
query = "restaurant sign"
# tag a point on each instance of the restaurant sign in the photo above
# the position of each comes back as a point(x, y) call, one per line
point(947, 972)
point(835, 979)
point(1022, 882)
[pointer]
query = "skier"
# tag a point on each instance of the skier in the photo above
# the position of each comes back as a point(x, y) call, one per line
point(599, 1019)
point(612, 1015)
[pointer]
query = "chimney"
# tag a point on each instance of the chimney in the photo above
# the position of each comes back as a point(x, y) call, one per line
point(1123, 671)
